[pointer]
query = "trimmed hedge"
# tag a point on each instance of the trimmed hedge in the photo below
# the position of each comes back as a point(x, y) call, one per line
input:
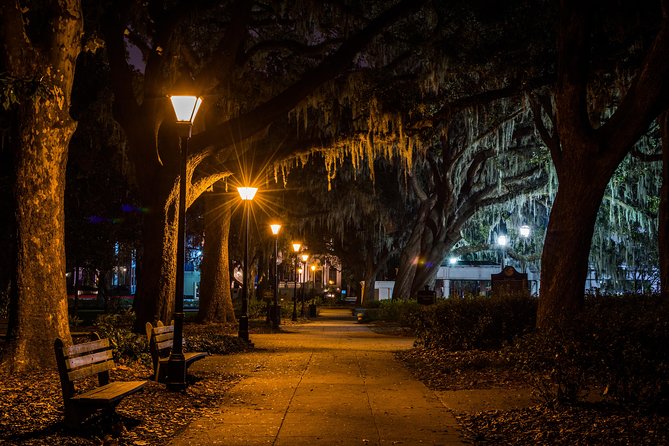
point(619, 346)
point(475, 322)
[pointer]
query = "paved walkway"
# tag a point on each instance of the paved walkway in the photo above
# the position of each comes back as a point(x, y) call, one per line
point(330, 382)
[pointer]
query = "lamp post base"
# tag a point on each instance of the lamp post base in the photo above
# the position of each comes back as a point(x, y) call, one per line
point(276, 315)
point(244, 329)
point(176, 373)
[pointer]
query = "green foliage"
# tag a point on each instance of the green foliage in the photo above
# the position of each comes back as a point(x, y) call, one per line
point(117, 327)
point(404, 312)
point(617, 346)
point(215, 342)
point(475, 322)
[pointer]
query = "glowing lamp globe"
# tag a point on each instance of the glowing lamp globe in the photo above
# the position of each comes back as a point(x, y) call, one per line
point(247, 193)
point(186, 107)
point(275, 228)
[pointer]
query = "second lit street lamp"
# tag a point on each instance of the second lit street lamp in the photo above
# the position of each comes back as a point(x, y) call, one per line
point(246, 194)
point(304, 257)
point(296, 249)
point(185, 108)
point(276, 310)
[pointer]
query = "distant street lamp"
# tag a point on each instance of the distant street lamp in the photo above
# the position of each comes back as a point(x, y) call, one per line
point(304, 257)
point(296, 249)
point(246, 194)
point(502, 241)
point(524, 232)
point(185, 109)
point(276, 312)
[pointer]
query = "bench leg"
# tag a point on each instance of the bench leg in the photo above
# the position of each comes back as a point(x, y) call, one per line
point(74, 415)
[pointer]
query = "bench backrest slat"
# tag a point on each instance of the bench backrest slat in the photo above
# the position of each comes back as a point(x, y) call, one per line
point(160, 346)
point(85, 372)
point(164, 337)
point(86, 347)
point(163, 329)
point(80, 361)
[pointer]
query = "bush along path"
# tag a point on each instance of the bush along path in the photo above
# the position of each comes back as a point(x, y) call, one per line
point(602, 381)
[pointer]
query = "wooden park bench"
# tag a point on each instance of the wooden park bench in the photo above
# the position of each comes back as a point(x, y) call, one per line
point(80, 361)
point(161, 339)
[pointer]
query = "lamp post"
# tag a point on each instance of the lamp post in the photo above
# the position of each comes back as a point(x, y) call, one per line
point(246, 194)
point(185, 109)
point(296, 249)
point(276, 312)
point(304, 258)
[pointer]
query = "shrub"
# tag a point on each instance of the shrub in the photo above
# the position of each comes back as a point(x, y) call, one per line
point(117, 327)
point(475, 322)
point(618, 345)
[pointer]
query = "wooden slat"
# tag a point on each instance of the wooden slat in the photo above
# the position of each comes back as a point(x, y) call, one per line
point(163, 337)
point(164, 329)
point(89, 370)
point(79, 361)
point(165, 344)
point(85, 347)
point(190, 357)
point(194, 356)
point(110, 393)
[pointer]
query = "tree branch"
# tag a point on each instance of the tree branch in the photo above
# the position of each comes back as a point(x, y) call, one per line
point(250, 123)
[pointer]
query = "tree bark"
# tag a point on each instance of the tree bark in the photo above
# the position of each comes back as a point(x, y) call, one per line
point(215, 297)
point(39, 307)
point(564, 261)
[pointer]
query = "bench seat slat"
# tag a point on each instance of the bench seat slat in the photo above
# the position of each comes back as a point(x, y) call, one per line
point(79, 361)
point(189, 357)
point(110, 393)
point(83, 372)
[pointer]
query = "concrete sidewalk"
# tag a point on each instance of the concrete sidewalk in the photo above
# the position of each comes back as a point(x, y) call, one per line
point(330, 382)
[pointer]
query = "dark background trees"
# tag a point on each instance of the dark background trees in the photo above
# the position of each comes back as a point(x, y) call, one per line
point(371, 80)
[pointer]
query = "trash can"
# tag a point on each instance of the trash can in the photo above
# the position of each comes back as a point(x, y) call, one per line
point(313, 312)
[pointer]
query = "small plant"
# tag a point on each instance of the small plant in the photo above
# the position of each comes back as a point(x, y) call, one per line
point(117, 327)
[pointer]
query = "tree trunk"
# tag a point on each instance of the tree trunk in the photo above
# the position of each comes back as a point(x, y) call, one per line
point(154, 299)
point(371, 271)
point(215, 297)
point(426, 273)
point(411, 253)
point(663, 223)
point(44, 129)
point(564, 261)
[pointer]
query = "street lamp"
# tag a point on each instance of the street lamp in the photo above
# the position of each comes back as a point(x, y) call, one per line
point(524, 231)
point(304, 257)
point(276, 320)
point(246, 194)
point(502, 241)
point(185, 109)
point(296, 249)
